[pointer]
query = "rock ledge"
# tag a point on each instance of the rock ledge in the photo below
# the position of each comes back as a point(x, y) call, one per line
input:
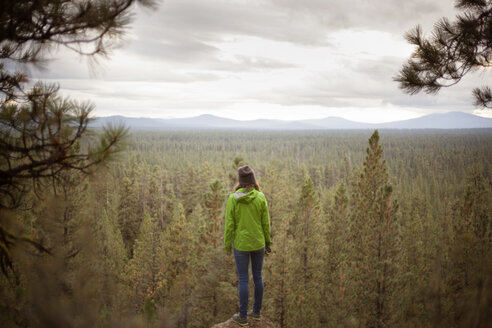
point(262, 323)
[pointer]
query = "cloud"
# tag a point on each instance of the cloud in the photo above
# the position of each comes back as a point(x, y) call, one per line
point(376, 14)
point(302, 22)
point(317, 57)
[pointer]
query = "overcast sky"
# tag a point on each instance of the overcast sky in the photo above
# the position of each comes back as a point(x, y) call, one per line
point(282, 59)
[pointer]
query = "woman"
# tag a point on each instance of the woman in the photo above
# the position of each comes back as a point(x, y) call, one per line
point(247, 228)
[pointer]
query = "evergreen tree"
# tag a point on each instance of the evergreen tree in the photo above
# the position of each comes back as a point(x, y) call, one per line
point(147, 269)
point(39, 129)
point(277, 266)
point(471, 252)
point(376, 244)
point(216, 293)
point(157, 205)
point(129, 214)
point(85, 263)
point(421, 238)
point(214, 203)
point(306, 229)
point(108, 258)
point(182, 258)
point(191, 194)
point(338, 306)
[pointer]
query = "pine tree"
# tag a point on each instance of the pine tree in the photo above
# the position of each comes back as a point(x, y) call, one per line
point(420, 260)
point(337, 304)
point(471, 252)
point(181, 259)
point(278, 265)
point(41, 131)
point(110, 262)
point(129, 214)
point(307, 231)
point(214, 203)
point(157, 205)
point(191, 194)
point(375, 236)
point(147, 269)
point(216, 294)
point(86, 258)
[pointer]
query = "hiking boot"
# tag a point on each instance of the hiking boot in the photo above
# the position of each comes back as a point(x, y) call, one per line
point(253, 315)
point(242, 321)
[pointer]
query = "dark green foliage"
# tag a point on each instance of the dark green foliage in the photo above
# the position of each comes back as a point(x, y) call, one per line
point(278, 265)
point(214, 295)
point(141, 240)
point(375, 236)
point(72, 275)
point(213, 204)
point(338, 236)
point(29, 29)
point(148, 310)
point(471, 252)
point(336, 263)
point(43, 135)
point(454, 49)
point(129, 213)
point(306, 230)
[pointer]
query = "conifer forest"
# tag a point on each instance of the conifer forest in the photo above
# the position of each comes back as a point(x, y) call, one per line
point(369, 229)
point(112, 227)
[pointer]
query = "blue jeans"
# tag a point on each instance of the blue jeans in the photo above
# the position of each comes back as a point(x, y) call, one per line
point(242, 266)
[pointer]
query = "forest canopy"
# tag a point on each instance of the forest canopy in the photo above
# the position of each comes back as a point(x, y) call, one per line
point(143, 236)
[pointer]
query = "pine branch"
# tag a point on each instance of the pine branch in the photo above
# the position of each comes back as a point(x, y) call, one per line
point(451, 52)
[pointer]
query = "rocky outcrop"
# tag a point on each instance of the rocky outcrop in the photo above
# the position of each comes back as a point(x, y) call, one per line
point(263, 323)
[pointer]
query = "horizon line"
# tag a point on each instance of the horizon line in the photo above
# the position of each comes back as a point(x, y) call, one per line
point(273, 119)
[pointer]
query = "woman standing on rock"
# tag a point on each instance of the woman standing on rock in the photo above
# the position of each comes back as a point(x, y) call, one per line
point(247, 228)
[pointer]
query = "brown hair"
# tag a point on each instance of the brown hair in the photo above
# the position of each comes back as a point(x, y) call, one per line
point(247, 186)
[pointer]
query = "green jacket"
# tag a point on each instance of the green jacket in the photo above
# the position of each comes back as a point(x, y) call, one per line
point(247, 221)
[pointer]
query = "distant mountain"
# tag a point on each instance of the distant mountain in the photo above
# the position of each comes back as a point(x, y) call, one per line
point(451, 120)
point(203, 121)
point(137, 123)
point(335, 123)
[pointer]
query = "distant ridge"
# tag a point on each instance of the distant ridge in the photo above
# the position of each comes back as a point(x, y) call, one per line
point(450, 120)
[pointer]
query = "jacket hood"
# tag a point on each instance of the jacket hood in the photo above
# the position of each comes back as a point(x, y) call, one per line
point(244, 196)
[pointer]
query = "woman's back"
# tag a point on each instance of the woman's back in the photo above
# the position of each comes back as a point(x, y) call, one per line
point(247, 220)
